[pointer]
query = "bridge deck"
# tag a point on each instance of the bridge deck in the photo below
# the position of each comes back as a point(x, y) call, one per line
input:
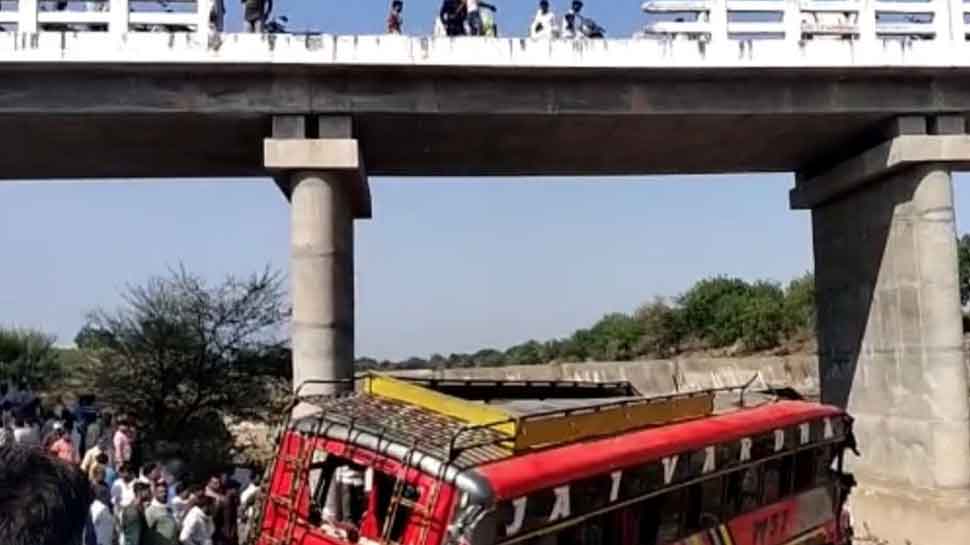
point(85, 105)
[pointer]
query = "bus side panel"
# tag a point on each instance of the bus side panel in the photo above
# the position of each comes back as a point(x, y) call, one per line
point(782, 522)
point(276, 509)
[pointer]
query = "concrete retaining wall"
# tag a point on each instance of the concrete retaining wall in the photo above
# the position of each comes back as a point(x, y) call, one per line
point(659, 377)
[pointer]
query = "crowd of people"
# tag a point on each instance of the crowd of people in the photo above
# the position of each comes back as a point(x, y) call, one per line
point(131, 501)
point(477, 18)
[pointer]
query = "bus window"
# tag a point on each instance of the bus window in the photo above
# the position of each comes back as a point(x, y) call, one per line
point(711, 502)
point(743, 492)
point(672, 514)
point(641, 480)
point(384, 486)
point(823, 464)
point(336, 491)
point(650, 520)
point(348, 501)
point(772, 488)
point(805, 470)
point(321, 472)
point(778, 479)
point(750, 489)
point(593, 532)
point(704, 505)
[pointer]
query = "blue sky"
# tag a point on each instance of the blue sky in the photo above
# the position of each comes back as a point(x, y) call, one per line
point(444, 266)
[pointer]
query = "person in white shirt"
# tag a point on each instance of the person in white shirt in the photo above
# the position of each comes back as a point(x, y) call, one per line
point(247, 504)
point(248, 496)
point(181, 502)
point(544, 24)
point(6, 431)
point(572, 22)
point(197, 529)
point(150, 474)
point(24, 434)
point(123, 491)
point(101, 518)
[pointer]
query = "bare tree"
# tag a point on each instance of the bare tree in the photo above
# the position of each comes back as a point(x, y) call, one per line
point(181, 354)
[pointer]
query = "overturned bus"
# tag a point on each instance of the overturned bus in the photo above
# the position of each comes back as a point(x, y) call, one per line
point(411, 462)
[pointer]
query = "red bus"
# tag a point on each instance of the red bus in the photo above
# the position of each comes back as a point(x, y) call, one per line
point(476, 463)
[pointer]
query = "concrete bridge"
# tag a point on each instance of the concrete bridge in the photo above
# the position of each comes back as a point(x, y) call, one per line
point(869, 112)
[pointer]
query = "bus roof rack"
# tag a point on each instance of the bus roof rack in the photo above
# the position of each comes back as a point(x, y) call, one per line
point(471, 422)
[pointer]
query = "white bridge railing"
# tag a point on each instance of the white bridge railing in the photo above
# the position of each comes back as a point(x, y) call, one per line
point(112, 16)
point(800, 20)
point(793, 21)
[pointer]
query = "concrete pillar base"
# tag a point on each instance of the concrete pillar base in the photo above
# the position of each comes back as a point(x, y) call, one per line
point(890, 514)
point(890, 330)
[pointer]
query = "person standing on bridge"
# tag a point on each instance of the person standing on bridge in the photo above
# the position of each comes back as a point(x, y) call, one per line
point(476, 23)
point(453, 15)
point(544, 24)
point(217, 16)
point(256, 13)
point(395, 19)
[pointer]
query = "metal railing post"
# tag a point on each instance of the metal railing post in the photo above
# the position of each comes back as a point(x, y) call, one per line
point(956, 27)
point(793, 21)
point(719, 21)
point(941, 20)
point(202, 29)
point(119, 16)
point(27, 16)
point(867, 20)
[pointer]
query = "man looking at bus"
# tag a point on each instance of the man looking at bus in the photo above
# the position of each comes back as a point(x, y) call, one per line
point(43, 501)
point(162, 526)
point(134, 527)
point(197, 529)
point(123, 491)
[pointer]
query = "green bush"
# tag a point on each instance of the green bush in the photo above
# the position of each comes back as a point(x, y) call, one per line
point(799, 306)
point(615, 338)
point(26, 354)
point(762, 317)
point(663, 329)
point(530, 353)
point(708, 308)
point(722, 311)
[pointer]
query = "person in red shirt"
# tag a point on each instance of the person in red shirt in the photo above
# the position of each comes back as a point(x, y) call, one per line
point(62, 447)
point(395, 20)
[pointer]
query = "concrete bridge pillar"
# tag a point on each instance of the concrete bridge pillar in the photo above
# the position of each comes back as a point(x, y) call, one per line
point(890, 328)
point(324, 180)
